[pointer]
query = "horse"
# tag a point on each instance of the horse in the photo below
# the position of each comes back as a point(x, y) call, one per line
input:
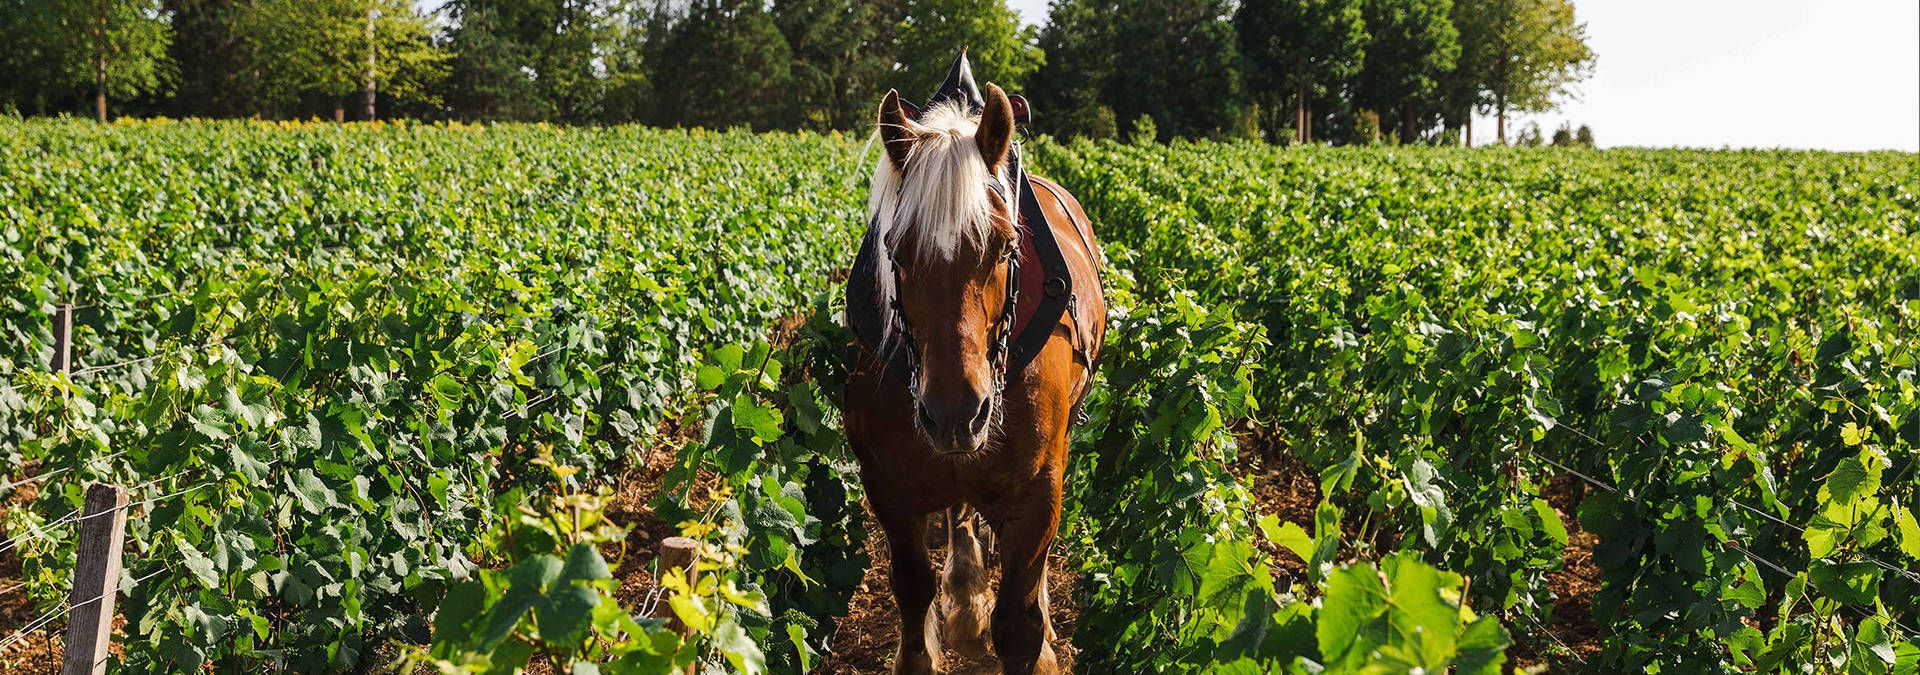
point(983, 333)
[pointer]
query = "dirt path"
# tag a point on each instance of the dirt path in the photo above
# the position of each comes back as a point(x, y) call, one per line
point(865, 640)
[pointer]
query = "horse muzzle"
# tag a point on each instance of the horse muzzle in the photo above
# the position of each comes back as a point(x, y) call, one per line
point(956, 427)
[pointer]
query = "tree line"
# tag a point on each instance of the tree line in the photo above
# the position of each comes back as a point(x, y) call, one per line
point(1283, 70)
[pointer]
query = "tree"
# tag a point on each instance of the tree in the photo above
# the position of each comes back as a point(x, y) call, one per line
point(1002, 51)
point(109, 48)
point(1462, 92)
point(1583, 137)
point(214, 57)
point(1529, 136)
point(1295, 48)
point(532, 59)
point(1175, 61)
point(729, 66)
point(1411, 45)
point(1066, 92)
point(338, 48)
point(841, 50)
point(1534, 52)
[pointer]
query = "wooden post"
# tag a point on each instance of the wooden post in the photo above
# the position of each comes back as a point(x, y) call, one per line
point(62, 338)
point(96, 580)
point(678, 552)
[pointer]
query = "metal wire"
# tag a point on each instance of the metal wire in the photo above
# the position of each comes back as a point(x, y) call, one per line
point(55, 472)
point(66, 608)
point(1556, 639)
point(35, 532)
point(1733, 543)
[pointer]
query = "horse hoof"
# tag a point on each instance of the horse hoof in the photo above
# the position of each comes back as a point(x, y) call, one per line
point(1047, 664)
point(968, 639)
point(917, 664)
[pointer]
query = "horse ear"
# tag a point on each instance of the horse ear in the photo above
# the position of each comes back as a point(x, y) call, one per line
point(996, 128)
point(894, 134)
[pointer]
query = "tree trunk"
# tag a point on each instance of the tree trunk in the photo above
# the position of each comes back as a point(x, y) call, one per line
point(367, 109)
point(1501, 121)
point(1300, 115)
point(1406, 123)
point(100, 64)
point(340, 110)
point(1469, 128)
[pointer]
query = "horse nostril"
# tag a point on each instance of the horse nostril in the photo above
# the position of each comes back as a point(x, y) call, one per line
point(983, 415)
point(927, 420)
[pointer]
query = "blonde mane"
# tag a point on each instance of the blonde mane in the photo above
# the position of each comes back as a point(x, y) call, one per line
point(941, 195)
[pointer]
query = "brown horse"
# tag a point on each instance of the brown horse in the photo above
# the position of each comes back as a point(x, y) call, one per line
point(962, 428)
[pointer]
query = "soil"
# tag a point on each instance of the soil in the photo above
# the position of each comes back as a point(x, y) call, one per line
point(1571, 637)
point(865, 640)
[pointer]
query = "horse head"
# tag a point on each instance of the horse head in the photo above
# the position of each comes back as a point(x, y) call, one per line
point(942, 205)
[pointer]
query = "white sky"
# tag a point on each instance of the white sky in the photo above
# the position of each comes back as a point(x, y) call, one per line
point(1828, 74)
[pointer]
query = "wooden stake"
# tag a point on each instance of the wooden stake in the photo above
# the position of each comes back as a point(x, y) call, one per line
point(678, 552)
point(96, 580)
point(62, 338)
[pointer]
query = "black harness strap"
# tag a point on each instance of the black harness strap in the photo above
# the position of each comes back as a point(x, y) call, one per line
point(1056, 291)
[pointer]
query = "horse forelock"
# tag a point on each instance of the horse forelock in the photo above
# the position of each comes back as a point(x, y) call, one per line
point(940, 198)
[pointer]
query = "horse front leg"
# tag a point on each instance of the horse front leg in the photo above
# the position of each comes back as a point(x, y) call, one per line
point(911, 573)
point(1021, 627)
point(964, 591)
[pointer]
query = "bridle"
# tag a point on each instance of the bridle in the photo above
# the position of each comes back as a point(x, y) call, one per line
point(1000, 348)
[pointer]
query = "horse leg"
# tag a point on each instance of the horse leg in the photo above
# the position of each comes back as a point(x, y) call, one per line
point(1046, 608)
point(913, 587)
point(964, 603)
point(1020, 622)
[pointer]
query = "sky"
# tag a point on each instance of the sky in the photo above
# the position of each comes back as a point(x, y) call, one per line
point(1822, 74)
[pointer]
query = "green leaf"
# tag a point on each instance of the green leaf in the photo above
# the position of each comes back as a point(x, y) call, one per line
point(1747, 589)
point(1349, 628)
point(739, 648)
point(1856, 477)
point(565, 615)
point(198, 565)
point(465, 602)
point(1288, 535)
point(207, 629)
point(1853, 434)
point(710, 377)
point(797, 635)
point(1854, 583)
point(762, 422)
point(1482, 648)
point(1420, 618)
point(1872, 646)
point(313, 494)
point(584, 563)
point(526, 588)
point(1909, 533)
point(729, 357)
point(1550, 521)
